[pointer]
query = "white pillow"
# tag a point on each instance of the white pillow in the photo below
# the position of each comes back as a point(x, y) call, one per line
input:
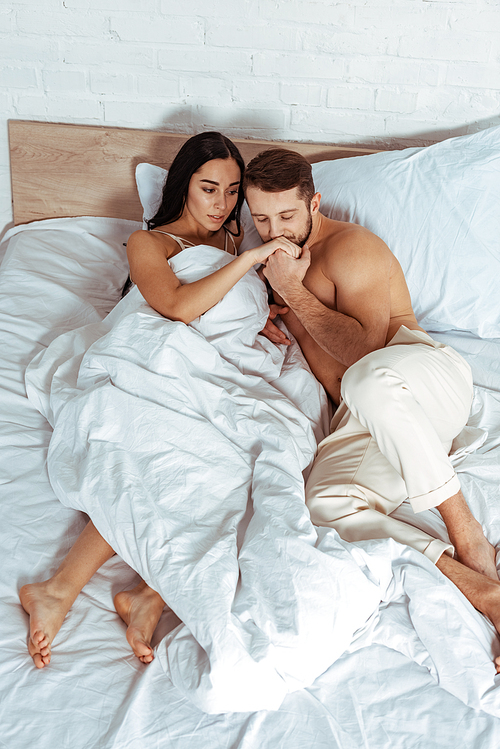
point(150, 180)
point(81, 263)
point(251, 237)
point(437, 210)
point(435, 207)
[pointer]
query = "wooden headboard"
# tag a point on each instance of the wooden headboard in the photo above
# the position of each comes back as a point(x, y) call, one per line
point(85, 170)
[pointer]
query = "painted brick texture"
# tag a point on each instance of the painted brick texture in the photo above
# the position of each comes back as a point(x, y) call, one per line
point(384, 72)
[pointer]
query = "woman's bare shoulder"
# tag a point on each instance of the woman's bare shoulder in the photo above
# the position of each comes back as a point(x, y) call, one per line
point(149, 242)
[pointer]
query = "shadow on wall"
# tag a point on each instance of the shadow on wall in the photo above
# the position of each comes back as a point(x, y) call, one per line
point(270, 125)
point(435, 135)
point(241, 123)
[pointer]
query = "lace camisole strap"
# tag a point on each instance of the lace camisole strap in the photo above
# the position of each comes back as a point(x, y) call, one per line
point(230, 236)
point(183, 243)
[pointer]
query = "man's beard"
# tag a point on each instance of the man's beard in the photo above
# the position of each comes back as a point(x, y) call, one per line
point(304, 236)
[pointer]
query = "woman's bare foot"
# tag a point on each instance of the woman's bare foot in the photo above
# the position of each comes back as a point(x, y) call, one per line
point(140, 609)
point(46, 608)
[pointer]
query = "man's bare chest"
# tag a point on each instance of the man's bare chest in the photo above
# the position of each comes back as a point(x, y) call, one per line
point(315, 282)
point(322, 288)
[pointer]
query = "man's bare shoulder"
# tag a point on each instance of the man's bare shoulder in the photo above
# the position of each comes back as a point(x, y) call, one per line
point(333, 234)
point(341, 244)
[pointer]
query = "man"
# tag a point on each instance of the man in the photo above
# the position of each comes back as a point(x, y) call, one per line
point(401, 396)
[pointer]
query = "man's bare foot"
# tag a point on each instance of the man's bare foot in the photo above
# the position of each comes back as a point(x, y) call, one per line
point(140, 609)
point(480, 590)
point(478, 554)
point(46, 608)
point(466, 534)
point(492, 611)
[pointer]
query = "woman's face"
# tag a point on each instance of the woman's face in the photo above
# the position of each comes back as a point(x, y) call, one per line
point(213, 192)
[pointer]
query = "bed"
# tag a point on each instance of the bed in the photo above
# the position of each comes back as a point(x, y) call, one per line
point(375, 648)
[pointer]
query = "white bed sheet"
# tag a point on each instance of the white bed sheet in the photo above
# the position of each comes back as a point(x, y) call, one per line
point(419, 675)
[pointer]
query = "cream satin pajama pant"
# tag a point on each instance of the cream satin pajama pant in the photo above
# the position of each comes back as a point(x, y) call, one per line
point(390, 437)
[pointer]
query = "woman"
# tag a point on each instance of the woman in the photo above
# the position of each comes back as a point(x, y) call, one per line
point(200, 205)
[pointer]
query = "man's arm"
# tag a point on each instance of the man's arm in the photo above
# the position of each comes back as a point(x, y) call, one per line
point(359, 270)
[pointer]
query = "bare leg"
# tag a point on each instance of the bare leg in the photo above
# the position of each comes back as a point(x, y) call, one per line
point(47, 603)
point(140, 609)
point(480, 590)
point(474, 572)
point(472, 548)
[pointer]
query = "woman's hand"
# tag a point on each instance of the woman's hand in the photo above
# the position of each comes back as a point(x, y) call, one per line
point(260, 254)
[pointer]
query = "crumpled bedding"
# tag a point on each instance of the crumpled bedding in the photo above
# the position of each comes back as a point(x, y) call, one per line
point(418, 673)
point(164, 433)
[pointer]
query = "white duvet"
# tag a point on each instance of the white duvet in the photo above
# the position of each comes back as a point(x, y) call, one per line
point(187, 445)
point(163, 434)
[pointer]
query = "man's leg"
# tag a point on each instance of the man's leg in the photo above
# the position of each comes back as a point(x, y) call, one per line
point(48, 602)
point(401, 401)
point(349, 507)
point(414, 398)
point(472, 549)
point(353, 488)
point(480, 590)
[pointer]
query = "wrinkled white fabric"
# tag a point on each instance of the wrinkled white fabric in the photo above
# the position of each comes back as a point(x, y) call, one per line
point(163, 432)
point(387, 690)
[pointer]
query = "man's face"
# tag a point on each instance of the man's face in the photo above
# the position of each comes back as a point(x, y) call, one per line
point(281, 214)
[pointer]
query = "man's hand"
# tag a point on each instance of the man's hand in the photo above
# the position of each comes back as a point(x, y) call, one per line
point(270, 330)
point(285, 272)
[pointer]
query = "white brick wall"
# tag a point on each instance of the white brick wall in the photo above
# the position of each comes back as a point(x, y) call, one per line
point(376, 72)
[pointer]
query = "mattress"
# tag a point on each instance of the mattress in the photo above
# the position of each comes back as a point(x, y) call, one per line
point(417, 669)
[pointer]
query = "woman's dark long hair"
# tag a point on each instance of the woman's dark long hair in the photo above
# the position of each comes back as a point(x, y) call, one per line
point(194, 153)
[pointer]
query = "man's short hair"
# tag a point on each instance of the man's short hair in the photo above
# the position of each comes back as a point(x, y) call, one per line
point(279, 169)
